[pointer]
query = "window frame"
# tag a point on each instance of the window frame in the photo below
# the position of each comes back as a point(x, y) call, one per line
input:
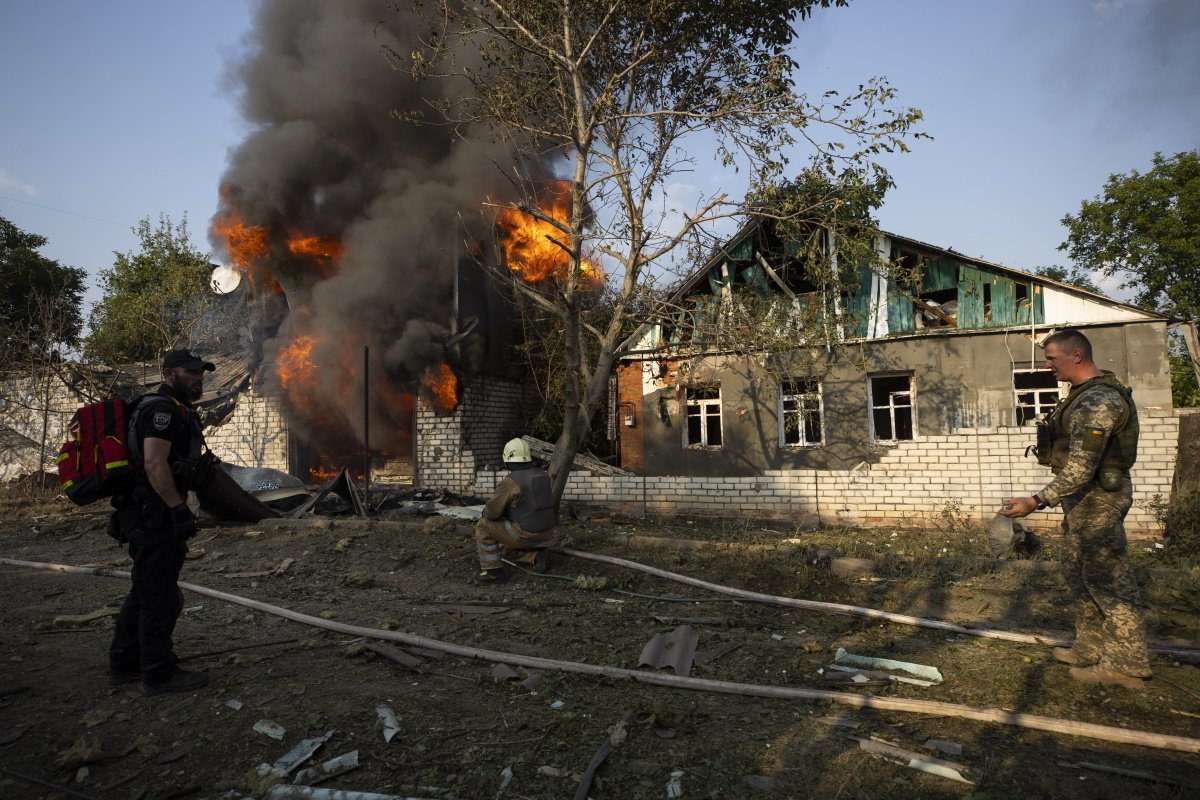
point(783, 414)
point(705, 404)
point(1038, 407)
point(872, 408)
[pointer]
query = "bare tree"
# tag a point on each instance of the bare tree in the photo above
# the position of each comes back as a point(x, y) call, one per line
point(621, 98)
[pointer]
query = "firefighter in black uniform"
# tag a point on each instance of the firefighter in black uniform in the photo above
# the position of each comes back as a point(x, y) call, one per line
point(165, 442)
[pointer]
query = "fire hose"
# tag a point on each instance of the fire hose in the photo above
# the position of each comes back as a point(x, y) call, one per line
point(1029, 721)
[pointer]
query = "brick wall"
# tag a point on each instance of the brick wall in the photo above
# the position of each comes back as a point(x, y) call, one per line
point(973, 469)
point(254, 435)
point(629, 403)
point(453, 450)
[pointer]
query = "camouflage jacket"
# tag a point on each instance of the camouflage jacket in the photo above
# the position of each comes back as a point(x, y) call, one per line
point(1090, 421)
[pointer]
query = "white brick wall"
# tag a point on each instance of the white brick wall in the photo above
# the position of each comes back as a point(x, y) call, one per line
point(976, 468)
point(254, 435)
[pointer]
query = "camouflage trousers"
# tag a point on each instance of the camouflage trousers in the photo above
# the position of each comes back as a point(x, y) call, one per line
point(519, 545)
point(1108, 625)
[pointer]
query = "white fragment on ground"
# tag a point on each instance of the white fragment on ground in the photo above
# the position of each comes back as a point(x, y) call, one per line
point(272, 729)
point(236, 705)
point(557, 704)
point(387, 720)
point(674, 785)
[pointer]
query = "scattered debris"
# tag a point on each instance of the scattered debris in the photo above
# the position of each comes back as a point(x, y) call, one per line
point(236, 705)
point(674, 784)
point(76, 620)
point(278, 569)
point(606, 747)
point(506, 776)
point(674, 649)
point(949, 748)
point(557, 704)
point(917, 761)
point(553, 772)
point(503, 672)
point(402, 658)
point(272, 729)
point(839, 722)
point(469, 513)
point(875, 677)
point(387, 720)
point(291, 760)
point(179, 752)
point(920, 670)
point(327, 769)
point(532, 682)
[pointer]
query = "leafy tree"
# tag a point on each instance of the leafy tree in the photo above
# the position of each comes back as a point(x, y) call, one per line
point(1145, 228)
point(40, 299)
point(1071, 275)
point(622, 98)
point(151, 297)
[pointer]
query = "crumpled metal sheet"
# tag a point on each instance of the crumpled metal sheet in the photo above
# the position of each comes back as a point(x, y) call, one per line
point(675, 649)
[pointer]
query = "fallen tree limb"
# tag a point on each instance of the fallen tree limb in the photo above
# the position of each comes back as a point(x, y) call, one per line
point(854, 611)
point(1030, 721)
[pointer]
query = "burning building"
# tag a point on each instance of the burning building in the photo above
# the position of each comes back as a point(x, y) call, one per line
point(374, 319)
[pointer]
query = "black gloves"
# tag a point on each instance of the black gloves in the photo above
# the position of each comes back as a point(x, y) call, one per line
point(183, 521)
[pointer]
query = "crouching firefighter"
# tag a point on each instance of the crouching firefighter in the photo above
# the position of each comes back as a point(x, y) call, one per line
point(165, 443)
point(520, 517)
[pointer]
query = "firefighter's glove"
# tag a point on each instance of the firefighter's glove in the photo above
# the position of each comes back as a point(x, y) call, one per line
point(183, 521)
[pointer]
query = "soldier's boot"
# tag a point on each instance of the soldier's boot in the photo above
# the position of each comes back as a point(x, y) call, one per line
point(1105, 677)
point(1067, 655)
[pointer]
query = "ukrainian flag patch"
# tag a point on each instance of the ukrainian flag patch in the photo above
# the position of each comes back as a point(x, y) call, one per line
point(1093, 440)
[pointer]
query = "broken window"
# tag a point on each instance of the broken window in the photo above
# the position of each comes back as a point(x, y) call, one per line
point(800, 413)
point(891, 407)
point(703, 416)
point(1035, 392)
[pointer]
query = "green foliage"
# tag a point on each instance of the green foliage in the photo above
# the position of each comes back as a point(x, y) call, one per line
point(152, 297)
point(1071, 275)
point(40, 300)
point(1184, 391)
point(1183, 528)
point(1146, 229)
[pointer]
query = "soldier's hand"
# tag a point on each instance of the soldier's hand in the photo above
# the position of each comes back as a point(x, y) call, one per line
point(183, 521)
point(1018, 507)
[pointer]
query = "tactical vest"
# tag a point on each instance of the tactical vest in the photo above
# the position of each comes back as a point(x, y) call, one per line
point(183, 469)
point(534, 509)
point(1120, 452)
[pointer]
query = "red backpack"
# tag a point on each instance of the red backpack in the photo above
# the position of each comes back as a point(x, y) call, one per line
point(94, 462)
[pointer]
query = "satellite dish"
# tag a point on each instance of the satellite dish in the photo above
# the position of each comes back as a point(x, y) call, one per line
point(225, 279)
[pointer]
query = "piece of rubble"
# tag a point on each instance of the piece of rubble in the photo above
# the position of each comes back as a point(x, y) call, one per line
point(388, 722)
point(269, 728)
point(917, 761)
point(327, 769)
point(919, 670)
point(675, 649)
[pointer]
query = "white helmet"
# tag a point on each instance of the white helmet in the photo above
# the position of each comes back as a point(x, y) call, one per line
point(517, 452)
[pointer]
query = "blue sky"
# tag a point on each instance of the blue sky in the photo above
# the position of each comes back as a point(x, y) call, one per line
point(120, 110)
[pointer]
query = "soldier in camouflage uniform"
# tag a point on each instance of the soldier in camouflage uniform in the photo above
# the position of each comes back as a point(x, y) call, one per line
point(1095, 433)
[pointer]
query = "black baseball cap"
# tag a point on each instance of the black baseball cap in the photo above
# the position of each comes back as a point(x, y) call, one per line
point(186, 359)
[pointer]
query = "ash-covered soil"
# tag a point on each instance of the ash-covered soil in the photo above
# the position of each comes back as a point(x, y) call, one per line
point(463, 731)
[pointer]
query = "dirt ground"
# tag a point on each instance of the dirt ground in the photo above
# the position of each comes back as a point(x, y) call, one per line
point(462, 731)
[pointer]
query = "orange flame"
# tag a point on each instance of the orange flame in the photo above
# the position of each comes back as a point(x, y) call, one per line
point(320, 247)
point(246, 245)
point(531, 244)
point(295, 366)
point(442, 386)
